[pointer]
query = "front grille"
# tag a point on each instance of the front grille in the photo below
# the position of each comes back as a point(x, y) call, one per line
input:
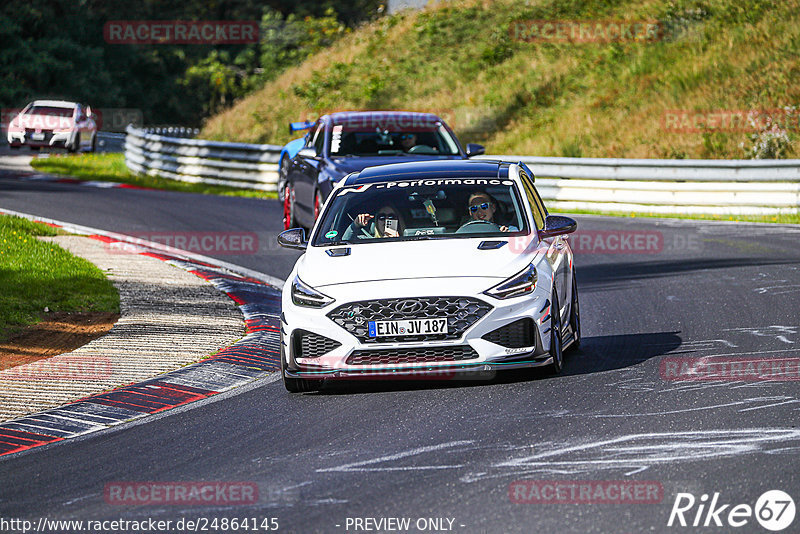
point(461, 313)
point(417, 355)
point(310, 345)
point(513, 335)
point(48, 134)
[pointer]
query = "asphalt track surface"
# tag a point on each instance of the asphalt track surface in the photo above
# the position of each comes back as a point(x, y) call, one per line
point(450, 449)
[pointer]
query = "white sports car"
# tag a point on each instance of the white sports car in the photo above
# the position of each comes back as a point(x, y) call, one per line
point(415, 269)
point(54, 123)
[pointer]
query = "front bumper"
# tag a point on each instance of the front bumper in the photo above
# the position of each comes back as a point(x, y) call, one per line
point(485, 357)
point(49, 139)
point(475, 371)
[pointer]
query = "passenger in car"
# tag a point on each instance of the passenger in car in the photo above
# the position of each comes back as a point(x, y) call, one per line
point(482, 207)
point(386, 222)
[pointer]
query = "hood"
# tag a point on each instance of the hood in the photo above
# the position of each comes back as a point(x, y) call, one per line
point(442, 258)
point(355, 164)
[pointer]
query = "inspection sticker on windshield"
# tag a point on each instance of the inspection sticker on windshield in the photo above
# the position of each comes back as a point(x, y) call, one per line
point(331, 234)
point(408, 327)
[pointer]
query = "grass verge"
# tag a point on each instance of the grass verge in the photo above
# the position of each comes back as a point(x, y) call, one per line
point(36, 275)
point(473, 63)
point(111, 168)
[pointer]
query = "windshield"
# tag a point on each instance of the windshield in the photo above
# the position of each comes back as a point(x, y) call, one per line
point(386, 135)
point(424, 209)
point(50, 111)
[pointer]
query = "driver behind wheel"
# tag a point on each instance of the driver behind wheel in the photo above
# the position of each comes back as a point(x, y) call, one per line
point(482, 207)
point(408, 141)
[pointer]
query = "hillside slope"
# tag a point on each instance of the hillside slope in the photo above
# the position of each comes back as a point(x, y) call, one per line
point(479, 65)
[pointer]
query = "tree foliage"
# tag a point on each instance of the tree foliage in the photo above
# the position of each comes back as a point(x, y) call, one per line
point(56, 49)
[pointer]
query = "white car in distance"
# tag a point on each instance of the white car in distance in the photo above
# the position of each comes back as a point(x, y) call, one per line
point(53, 123)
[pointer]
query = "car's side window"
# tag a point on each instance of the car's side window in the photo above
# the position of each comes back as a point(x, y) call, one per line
point(533, 200)
point(319, 140)
point(539, 201)
point(312, 134)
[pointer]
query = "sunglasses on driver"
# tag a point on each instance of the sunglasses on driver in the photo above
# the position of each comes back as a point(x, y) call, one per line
point(484, 206)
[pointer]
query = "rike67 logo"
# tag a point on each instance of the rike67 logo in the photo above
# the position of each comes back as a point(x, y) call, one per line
point(774, 510)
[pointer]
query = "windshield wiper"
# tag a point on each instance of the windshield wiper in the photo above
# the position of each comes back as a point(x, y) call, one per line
point(421, 237)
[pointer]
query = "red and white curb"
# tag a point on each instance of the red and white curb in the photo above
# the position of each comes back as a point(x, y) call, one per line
point(254, 356)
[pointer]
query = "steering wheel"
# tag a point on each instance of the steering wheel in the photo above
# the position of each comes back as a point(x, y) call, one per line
point(422, 149)
point(476, 227)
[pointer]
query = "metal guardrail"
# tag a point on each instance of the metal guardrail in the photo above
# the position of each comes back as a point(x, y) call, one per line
point(628, 185)
point(199, 161)
point(172, 131)
point(691, 186)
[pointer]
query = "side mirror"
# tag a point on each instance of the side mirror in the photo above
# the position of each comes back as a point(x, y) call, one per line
point(294, 238)
point(557, 225)
point(308, 152)
point(475, 150)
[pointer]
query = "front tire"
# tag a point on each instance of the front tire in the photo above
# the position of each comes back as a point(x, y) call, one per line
point(296, 385)
point(283, 173)
point(76, 145)
point(556, 342)
point(288, 207)
point(93, 148)
point(317, 204)
point(575, 316)
point(300, 385)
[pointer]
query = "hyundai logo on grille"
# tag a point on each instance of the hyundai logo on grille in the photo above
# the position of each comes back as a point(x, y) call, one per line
point(407, 307)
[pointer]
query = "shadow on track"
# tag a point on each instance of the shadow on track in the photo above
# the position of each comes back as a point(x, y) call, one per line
point(591, 276)
point(596, 354)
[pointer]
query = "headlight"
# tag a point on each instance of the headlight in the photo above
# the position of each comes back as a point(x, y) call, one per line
point(307, 296)
point(520, 284)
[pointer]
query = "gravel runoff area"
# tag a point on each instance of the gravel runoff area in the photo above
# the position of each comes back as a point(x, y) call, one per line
point(168, 318)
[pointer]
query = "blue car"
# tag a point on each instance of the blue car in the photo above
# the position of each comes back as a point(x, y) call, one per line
point(289, 151)
point(341, 143)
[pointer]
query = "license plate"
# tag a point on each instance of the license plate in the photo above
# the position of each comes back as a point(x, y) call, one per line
point(408, 327)
point(37, 136)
